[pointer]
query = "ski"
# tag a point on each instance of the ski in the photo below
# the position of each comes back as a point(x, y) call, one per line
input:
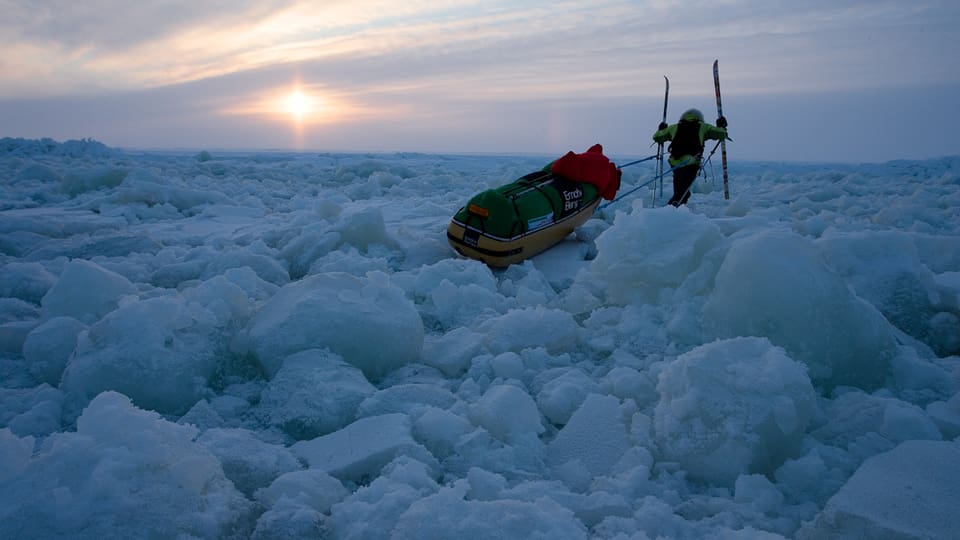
point(666, 95)
point(723, 143)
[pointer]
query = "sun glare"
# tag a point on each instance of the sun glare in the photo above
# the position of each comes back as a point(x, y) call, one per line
point(310, 111)
point(304, 108)
point(298, 104)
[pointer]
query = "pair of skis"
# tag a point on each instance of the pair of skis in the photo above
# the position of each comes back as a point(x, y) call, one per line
point(723, 143)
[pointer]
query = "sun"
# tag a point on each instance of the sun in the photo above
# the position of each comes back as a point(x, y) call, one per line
point(308, 109)
point(298, 104)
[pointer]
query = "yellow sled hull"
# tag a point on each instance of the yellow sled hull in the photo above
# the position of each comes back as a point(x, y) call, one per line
point(502, 252)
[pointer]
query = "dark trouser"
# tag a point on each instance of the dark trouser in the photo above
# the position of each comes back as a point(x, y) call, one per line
point(682, 180)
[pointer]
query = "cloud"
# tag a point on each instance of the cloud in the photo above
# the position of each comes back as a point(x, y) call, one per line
point(435, 74)
point(569, 48)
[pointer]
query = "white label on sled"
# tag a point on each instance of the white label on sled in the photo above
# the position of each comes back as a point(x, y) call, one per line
point(539, 222)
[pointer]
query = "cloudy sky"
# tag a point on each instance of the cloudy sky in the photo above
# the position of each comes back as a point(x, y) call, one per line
point(808, 80)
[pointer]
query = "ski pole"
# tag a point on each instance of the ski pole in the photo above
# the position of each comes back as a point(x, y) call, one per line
point(653, 195)
point(712, 151)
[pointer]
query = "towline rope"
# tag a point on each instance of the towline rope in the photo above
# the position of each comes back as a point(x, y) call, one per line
point(637, 161)
point(656, 177)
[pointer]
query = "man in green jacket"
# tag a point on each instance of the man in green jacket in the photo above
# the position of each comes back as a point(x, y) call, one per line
point(686, 149)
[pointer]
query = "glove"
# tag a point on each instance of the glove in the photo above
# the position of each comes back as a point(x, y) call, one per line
point(662, 126)
point(722, 122)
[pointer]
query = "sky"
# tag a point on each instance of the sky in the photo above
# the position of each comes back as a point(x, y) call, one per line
point(802, 81)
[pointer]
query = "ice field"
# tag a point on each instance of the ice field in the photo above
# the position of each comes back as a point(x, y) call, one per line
point(283, 345)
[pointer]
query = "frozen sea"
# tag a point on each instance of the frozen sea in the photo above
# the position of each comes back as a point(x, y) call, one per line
point(268, 345)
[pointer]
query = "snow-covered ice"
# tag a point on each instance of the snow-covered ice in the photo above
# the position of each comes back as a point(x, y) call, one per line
point(283, 345)
point(908, 492)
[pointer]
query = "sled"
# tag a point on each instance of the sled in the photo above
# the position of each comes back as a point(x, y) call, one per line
point(512, 223)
